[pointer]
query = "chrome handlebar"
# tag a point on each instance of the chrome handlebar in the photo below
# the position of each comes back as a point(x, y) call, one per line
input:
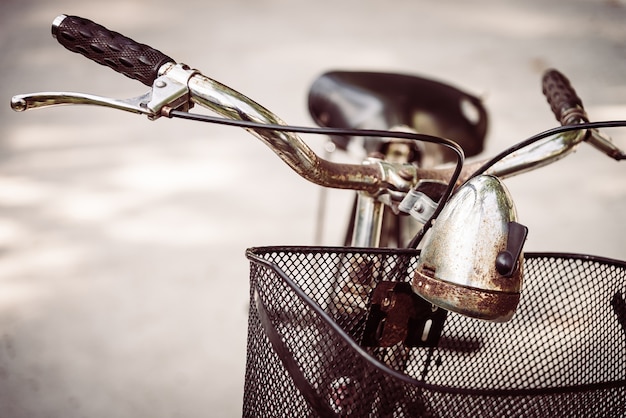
point(178, 87)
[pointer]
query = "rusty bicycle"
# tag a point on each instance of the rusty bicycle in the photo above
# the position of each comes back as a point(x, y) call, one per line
point(431, 308)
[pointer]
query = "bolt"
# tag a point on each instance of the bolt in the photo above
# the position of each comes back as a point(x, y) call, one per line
point(160, 84)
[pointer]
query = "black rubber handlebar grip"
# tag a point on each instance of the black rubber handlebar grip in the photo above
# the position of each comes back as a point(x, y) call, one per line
point(134, 60)
point(560, 94)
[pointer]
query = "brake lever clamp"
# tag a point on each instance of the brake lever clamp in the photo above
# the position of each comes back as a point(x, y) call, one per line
point(169, 91)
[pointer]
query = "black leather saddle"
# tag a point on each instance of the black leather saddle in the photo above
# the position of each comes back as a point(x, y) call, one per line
point(375, 100)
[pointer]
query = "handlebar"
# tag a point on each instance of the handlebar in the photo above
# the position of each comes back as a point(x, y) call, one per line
point(177, 87)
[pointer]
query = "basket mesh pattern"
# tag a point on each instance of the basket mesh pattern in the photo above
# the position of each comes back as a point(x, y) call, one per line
point(562, 354)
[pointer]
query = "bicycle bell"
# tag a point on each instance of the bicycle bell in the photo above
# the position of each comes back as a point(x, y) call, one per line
point(471, 260)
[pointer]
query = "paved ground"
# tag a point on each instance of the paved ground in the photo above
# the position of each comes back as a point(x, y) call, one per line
point(123, 281)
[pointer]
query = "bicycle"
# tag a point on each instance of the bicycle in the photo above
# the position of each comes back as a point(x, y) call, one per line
point(362, 330)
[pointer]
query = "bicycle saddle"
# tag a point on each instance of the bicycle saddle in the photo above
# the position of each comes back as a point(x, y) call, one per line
point(375, 100)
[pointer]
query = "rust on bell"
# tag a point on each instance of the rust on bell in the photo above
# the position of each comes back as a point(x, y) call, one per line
point(477, 303)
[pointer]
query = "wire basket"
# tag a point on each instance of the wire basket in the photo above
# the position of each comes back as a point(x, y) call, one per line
point(562, 354)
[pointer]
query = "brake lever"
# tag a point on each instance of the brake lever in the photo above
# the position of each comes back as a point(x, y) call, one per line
point(169, 91)
point(602, 142)
point(23, 102)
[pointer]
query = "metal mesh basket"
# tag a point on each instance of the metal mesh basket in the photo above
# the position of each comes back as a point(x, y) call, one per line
point(563, 353)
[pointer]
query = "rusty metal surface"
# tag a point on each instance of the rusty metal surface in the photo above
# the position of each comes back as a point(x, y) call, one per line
point(461, 249)
point(398, 316)
point(120, 237)
point(477, 303)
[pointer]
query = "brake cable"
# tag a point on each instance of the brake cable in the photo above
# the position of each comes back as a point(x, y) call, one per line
point(458, 151)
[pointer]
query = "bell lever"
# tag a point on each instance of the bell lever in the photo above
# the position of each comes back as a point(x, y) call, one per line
point(507, 260)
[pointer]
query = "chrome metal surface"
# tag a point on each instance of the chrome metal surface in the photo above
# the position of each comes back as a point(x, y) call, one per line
point(418, 205)
point(539, 154)
point(603, 143)
point(398, 177)
point(457, 265)
point(368, 221)
point(170, 89)
point(288, 146)
point(23, 102)
point(56, 23)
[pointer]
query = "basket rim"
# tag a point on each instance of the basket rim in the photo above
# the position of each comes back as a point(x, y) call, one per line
point(255, 252)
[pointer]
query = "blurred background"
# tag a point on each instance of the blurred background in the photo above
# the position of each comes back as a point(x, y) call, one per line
point(123, 280)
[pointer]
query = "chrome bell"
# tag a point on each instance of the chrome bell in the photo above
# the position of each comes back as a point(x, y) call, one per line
point(471, 260)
